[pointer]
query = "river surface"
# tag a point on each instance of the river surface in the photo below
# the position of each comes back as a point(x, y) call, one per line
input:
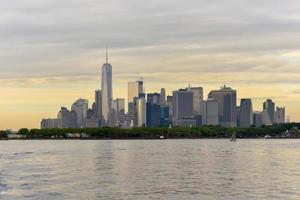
point(150, 169)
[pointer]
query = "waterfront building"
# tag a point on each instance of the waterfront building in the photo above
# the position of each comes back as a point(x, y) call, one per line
point(265, 118)
point(66, 118)
point(226, 98)
point(280, 115)
point(257, 119)
point(81, 108)
point(50, 123)
point(209, 112)
point(269, 106)
point(245, 113)
point(92, 122)
point(106, 89)
point(153, 114)
point(237, 111)
point(183, 108)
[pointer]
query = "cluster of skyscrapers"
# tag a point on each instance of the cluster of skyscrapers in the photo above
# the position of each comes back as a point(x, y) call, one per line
point(185, 107)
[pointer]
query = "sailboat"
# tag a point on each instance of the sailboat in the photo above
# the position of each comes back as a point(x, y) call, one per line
point(233, 137)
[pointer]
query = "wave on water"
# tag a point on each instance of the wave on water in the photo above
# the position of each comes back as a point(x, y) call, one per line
point(3, 193)
point(22, 153)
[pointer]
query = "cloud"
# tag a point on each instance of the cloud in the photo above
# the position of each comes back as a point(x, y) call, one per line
point(42, 37)
point(249, 44)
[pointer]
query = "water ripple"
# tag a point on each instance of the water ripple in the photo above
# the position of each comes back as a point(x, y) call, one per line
point(169, 169)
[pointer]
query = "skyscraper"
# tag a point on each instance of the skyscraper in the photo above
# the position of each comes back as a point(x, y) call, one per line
point(246, 113)
point(50, 123)
point(197, 98)
point(141, 112)
point(106, 88)
point(66, 118)
point(265, 118)
point(135, 89)
point(226, 98)
point(209, 112)
point(257, 119)
point(280, 115)
point(153, 98)
point(269, 106)
point(183, 108)
point(153, 109)
point(119, 107)
point(98, 102)
point(80, 107)
point(170, 105)
point(162, 96)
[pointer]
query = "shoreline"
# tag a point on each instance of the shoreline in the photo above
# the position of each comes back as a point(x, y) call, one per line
point(103, 139)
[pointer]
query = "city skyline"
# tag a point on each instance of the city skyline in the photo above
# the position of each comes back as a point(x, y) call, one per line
point(139, 80)
point(185, 107)
point(49, 59)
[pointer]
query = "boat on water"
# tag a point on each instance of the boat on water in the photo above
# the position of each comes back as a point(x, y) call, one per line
point(233, 137)
point(267, 137)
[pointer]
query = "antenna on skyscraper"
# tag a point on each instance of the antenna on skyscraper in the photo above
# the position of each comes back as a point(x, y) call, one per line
point(106, 54)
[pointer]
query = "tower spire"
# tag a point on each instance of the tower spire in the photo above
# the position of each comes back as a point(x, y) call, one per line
point(106, 55)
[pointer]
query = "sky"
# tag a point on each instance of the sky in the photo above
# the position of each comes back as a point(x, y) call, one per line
point(51, 51)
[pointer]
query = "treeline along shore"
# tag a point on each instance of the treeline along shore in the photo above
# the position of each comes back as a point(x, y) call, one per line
point(289, 130)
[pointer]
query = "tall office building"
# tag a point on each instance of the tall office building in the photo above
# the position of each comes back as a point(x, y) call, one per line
point(50, 123)
point(81, 108)
point(246, 113)
point(164, 116)
point(257, 119)
point(269, 106)
point(280, 115)
point(98, 103)
point(153, 98)
point(226, 98)
point(237, 111)
point(119, 107)
point(141, 112)
point(197, 98)
point(209, 112)
point(162, 96)
point(106, 89)
point(183, 108)
point(170, 105)
point(135, 89)
point(66, 118)
point(265, 118)
point(153, 109)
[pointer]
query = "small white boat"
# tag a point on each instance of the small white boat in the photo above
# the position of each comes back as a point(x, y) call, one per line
point(267, 136)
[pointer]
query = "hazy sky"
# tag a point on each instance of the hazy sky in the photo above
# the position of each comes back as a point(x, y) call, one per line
point(51, 51)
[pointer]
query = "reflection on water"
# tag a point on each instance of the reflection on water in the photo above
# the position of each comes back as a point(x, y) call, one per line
point(150, 169)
